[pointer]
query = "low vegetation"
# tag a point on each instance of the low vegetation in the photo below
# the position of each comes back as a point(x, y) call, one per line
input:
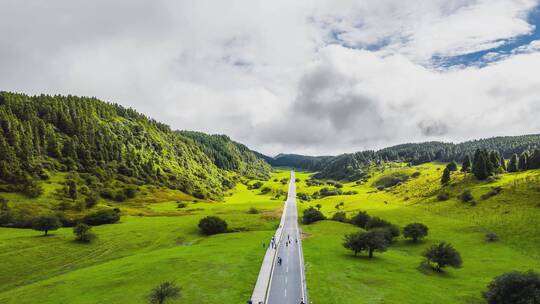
point(164, 292)
point(212, 225)
point(415, 231)
point(312, 215)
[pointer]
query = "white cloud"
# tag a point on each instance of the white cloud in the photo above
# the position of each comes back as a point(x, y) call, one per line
point(269, 73)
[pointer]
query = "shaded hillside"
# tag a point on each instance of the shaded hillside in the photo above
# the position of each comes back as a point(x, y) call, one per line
point(312, 163)
point(230, 155)
point(44, 134)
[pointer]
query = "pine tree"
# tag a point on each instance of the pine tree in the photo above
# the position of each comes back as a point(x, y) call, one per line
point(522, 163)
point(513, 164)
point(533, 162)
point(466, 166)
point(481, 165)
point(495, 160)
point(446, 176)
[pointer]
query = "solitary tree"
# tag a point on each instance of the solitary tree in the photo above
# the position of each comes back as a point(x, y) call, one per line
point(164, 292)
point(415, 231)
point(312, 215)
point(212, 225)
point(46, 223)
point(369, 241)
point(442, 255)
point(446, 176)
point(82, 233)
point(514, 288)
point(452, 166)
point(466, 166)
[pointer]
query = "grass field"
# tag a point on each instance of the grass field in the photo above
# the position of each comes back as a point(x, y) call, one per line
point(154, 241)
point(334, 275)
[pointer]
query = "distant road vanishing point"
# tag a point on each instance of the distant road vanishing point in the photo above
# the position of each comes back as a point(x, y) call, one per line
point(285, 282)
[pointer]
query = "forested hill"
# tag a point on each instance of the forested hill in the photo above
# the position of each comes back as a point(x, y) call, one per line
point(352, 166)
point(312, 163)
point(42, 134)
point(230, 155)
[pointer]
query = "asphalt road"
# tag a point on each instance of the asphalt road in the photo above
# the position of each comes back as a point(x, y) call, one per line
point(287, 285)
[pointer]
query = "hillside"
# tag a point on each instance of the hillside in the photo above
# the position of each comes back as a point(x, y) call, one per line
point(109, 151)
point(495, 233)
point(230, 155)
point(353, 166)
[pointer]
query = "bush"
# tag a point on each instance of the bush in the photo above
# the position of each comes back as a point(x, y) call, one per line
point(106, 194)
point(442, 255)
point(266, 190)
point(66, 221)
point(100, 217)
point(312, 215)
point(514, 288)
point(181, 205)
point(91, 200)
point(163, 292)
point(253, 210)
point(32, 189)
point(391, 180)
point(324, 192)
point(339, 217)
point(212, 225)
point(46, 223)
point(443, 196)
point(130, 192)
point(415, 174)
point(492, 237)
point(494, 191)
point(303, 196)
point(415, 231)
point(360, 219)
point(466, 196)
point(82, 233)
point(377, 222)
point(120, 197)
point(256, 185)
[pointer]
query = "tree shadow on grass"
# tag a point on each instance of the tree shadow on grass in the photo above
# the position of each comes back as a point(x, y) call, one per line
point(361, 257)
point(428, 269)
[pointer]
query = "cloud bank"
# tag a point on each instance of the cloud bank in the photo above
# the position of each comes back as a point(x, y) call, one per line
point(318, 77)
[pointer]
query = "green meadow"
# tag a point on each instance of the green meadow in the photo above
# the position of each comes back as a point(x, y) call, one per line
point(154, 242)
point(334, 275)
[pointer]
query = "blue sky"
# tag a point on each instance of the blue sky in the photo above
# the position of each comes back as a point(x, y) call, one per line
point(510, 45)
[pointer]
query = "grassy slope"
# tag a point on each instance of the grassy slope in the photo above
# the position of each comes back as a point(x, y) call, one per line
point(335, 276)
point(154, 242)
